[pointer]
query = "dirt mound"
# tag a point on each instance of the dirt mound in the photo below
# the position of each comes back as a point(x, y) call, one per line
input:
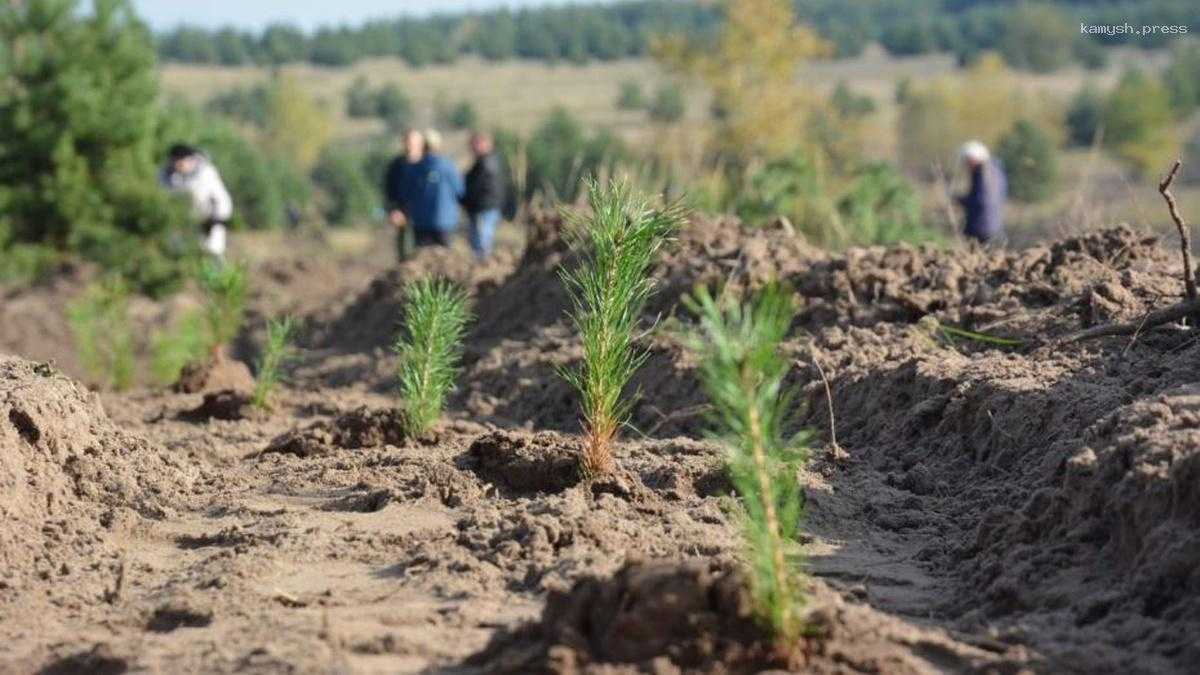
point(67, 476)
point(213, 375)
point(226, 405)
point(664, 617)
point(362, 427)
point(518, 464)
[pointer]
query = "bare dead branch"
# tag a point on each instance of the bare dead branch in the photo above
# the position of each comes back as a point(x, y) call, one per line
point(1185, 240)
point(1151, 320)
point(839, 454)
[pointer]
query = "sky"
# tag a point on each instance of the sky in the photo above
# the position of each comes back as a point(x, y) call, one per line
point(162, 14)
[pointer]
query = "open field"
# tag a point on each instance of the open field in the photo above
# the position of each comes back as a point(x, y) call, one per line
point(997, 509)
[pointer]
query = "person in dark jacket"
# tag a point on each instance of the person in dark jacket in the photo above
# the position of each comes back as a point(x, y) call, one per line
point(983, 204)
point(397, 188)
point(484, 195)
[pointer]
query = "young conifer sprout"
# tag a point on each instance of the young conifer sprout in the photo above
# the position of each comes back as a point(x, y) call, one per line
point(224, 288)
point(99, 321)
point(610, 287)
point(742, 372)
point(429, 350)
point(276, 353)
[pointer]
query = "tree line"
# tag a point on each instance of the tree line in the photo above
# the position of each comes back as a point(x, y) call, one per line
point(1038, 37)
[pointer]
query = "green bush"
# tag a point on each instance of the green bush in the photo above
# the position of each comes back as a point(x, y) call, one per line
point(78, 166)
point(349, 194)
point(1085, 116)
point(104, 338)
point(560, 154)
point(668, 105)
point(1030, 160)
point(630, 96)
point(244, 104)
point(849, 104)
point(742, 371)
point(429, 350)
point(1182, 77)
point(462, 116)
point(881, 207)
point(1138, 122)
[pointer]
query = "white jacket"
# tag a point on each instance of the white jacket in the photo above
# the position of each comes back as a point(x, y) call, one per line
point(204, 187)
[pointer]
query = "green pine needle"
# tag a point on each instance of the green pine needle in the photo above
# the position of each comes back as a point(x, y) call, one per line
point(617, 244)
point(99, 321)
point(224, 289)
point(276, 353)
point(742, 372)
point(429, 350)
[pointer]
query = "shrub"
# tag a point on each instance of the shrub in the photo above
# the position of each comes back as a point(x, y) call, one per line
point(560, 153)
point(630, 96)
point(881, 207)
point(1182, 77)
point(849, 104)
point(668, 105)
point(608, 289)
point(244, 104)
point(742, 372)
point(1031, 162)
point(393, 106)
point(1138, 121)
point(297, 126)
point(224, 289)
point(349, 195)
point(78, 108)
point(462, 116)
point(276, 353)
point(429, 350)
point(99, 321)
point(1085, 116)
point(360, 99)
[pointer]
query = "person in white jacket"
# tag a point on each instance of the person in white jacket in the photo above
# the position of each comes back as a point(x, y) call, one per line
point(190, 172)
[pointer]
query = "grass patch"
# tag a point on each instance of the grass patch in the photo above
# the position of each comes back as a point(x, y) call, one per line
point(610, 287)
point(429, 350)
point(742, 372)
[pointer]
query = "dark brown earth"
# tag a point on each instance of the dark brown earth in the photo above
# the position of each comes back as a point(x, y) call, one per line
point(996, 509)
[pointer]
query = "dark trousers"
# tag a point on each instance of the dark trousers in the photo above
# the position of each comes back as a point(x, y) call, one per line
point(432, 238)
point(405, 243)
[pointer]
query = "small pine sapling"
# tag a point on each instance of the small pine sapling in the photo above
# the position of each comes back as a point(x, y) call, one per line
point(99, 321)
point(617, 244)
point(276, 353)
point(224, 289)
point(429, 350)
point(742, 372)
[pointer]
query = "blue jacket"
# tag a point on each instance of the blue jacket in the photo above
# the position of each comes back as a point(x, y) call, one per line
point(984, 203)
point(427, 192)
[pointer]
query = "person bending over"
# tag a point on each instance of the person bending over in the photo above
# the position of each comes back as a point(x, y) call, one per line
point(190, 172)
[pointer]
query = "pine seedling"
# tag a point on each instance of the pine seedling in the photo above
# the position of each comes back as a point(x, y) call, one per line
point(99, 321)
point(742, 372)
point(609, 288)
point(276, 353)
point(224, 289)
point(184, 342)
point(429, 350)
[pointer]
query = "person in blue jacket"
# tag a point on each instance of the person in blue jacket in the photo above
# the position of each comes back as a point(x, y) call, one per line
point(423, 189)
point(983, 204)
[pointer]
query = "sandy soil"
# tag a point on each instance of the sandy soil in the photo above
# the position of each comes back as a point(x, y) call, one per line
point(1031, 509)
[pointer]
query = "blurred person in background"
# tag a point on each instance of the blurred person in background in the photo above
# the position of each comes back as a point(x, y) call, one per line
point(983, 204)
point(398, 185)
point(423, 190)
point(484, 195)
point(189, 172)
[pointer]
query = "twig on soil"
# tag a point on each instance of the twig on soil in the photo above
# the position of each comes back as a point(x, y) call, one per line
point(111, 596)
point(1183, 310)
point(1185, 241)
point(839, 455)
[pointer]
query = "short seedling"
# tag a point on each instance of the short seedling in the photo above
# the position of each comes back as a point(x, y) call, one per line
point(610, 287)
point(99, 321)
point(224, 289)
point(742, 372)
point(429, 350)
point(276, 353)
point(173, 348)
